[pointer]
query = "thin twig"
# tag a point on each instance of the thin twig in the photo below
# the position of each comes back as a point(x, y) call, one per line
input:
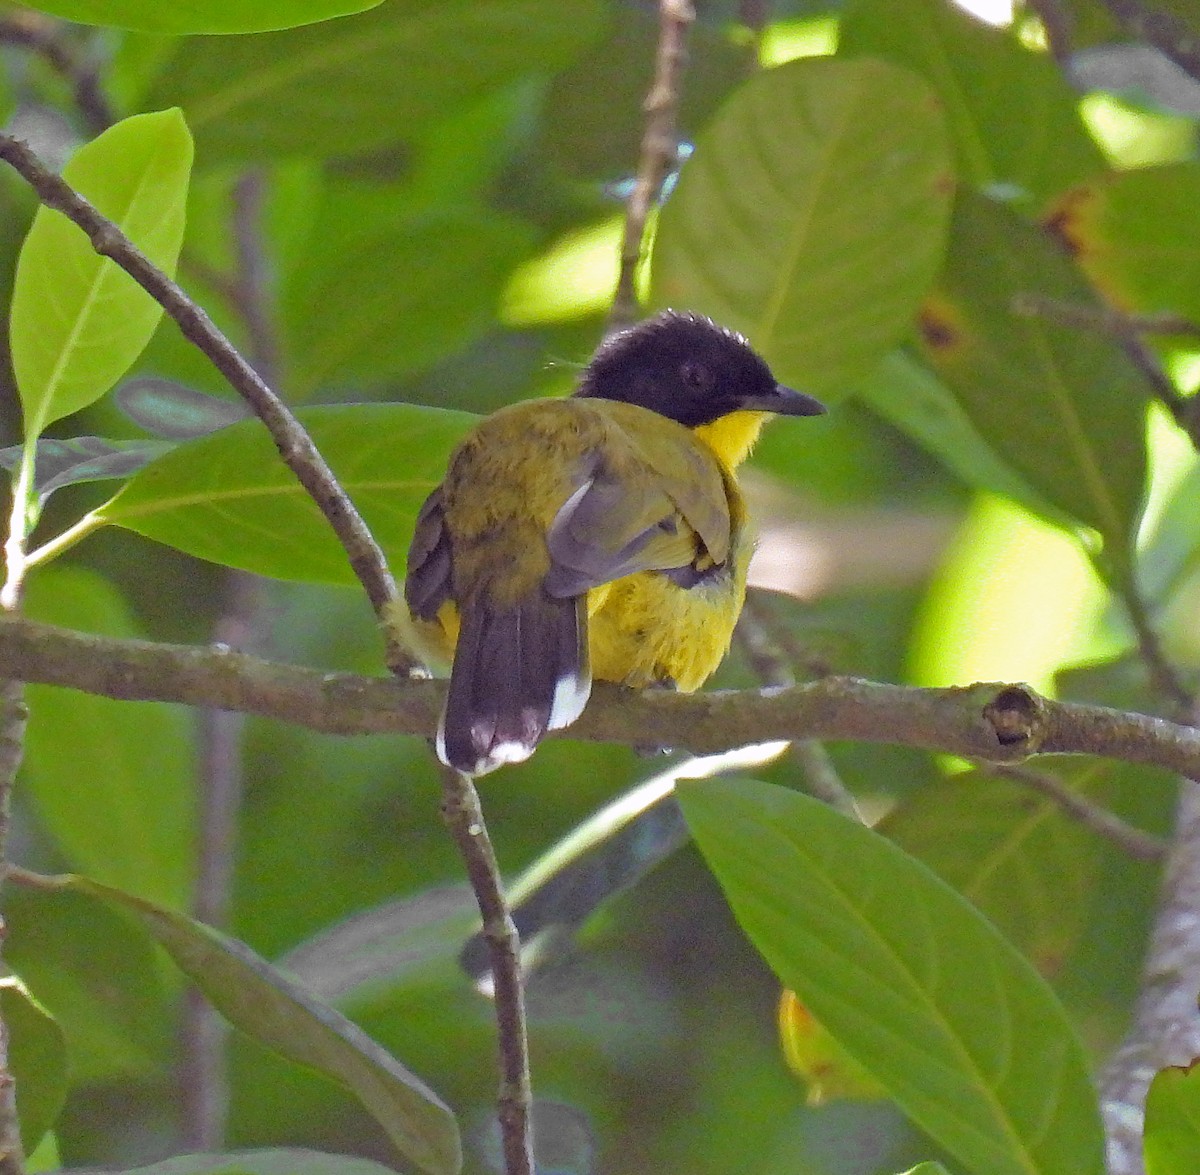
point(1163, 675)
point(769, 663)
point(1128, 331)
point(1171, 36)
point(31, 30)
point(1138, 844)
point(294, 444)
point(659, 151)
point(464, 817)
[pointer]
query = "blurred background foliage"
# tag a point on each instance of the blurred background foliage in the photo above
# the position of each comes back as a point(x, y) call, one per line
point(421, 204)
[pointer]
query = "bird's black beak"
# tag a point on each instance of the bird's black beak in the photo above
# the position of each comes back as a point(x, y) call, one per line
point(785, 401)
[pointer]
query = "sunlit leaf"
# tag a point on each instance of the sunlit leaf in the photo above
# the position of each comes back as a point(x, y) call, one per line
point(1136, 234)
point(37, 1060)
point(111, 781)
point(80, 459)
point(1172, 1139)
point(78, 320)
point(812, 217)
point(1066, 408)
point(1013, 116)
point(917, 986)
point(281, 1014)
point(343, 88)
point(229, 498)
point(200, 16)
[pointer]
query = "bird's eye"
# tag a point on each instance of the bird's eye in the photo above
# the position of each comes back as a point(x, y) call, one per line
point(695, 375)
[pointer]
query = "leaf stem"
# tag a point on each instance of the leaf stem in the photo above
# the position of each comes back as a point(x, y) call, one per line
point(76, 532)
point(16, 561)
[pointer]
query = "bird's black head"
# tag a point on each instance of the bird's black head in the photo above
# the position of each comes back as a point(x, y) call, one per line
point(687, 368)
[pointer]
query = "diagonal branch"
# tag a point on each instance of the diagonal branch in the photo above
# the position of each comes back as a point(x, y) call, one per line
point(294, 444)
point(658, 152)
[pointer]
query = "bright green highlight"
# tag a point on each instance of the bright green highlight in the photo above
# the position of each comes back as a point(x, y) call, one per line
point(1014, 600)
point(79, 321)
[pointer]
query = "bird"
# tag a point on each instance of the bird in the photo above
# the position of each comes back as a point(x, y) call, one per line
point(596, 536)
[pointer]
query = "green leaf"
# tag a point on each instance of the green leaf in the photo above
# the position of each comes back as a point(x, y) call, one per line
point(1064, 407)
point(81, 459)
point(1136, 234)
point(927, 1169)
point(917, 986)
point(1172, 1140)
point(276, 1011)
point(97, 972)
point(344, 88)
point(383, 294)
point(291, 1161)
point(812, 217)
point(37, 1060)
point(906, 393)
point(229, 498)
point(111, 781)
point(200, 16)
point(168, 409)
point(1013, 117)
point(78, 321)
point(1014, 854)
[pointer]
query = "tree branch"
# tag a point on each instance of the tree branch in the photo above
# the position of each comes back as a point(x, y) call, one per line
point(463, 815)
point(658, 152)
point(294, 444)
point(994, 722)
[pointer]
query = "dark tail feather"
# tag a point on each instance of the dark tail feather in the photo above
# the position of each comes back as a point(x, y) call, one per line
point(518, 672)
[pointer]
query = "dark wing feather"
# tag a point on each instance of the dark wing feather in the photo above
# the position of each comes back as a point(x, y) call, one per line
point(670, 516)
point(427, 585)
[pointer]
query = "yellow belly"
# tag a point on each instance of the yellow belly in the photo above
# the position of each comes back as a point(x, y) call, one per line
point(642, 630)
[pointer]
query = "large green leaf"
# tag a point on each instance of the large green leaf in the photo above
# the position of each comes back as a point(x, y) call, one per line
point(1013, 116)
point(812, 217)
point(1017, 856)
point(229, 498)
point(112, 782)
point(358, 83)
point(1064, 407)
point(385, 294)
point(97, 972)
point(917, 986)
point(200, 16)
point(1172, 1145)
point(280, 1013)
point(78, 320)
point(37, 1060)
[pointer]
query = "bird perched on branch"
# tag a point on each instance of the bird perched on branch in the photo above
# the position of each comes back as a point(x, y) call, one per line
point(601, 535)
